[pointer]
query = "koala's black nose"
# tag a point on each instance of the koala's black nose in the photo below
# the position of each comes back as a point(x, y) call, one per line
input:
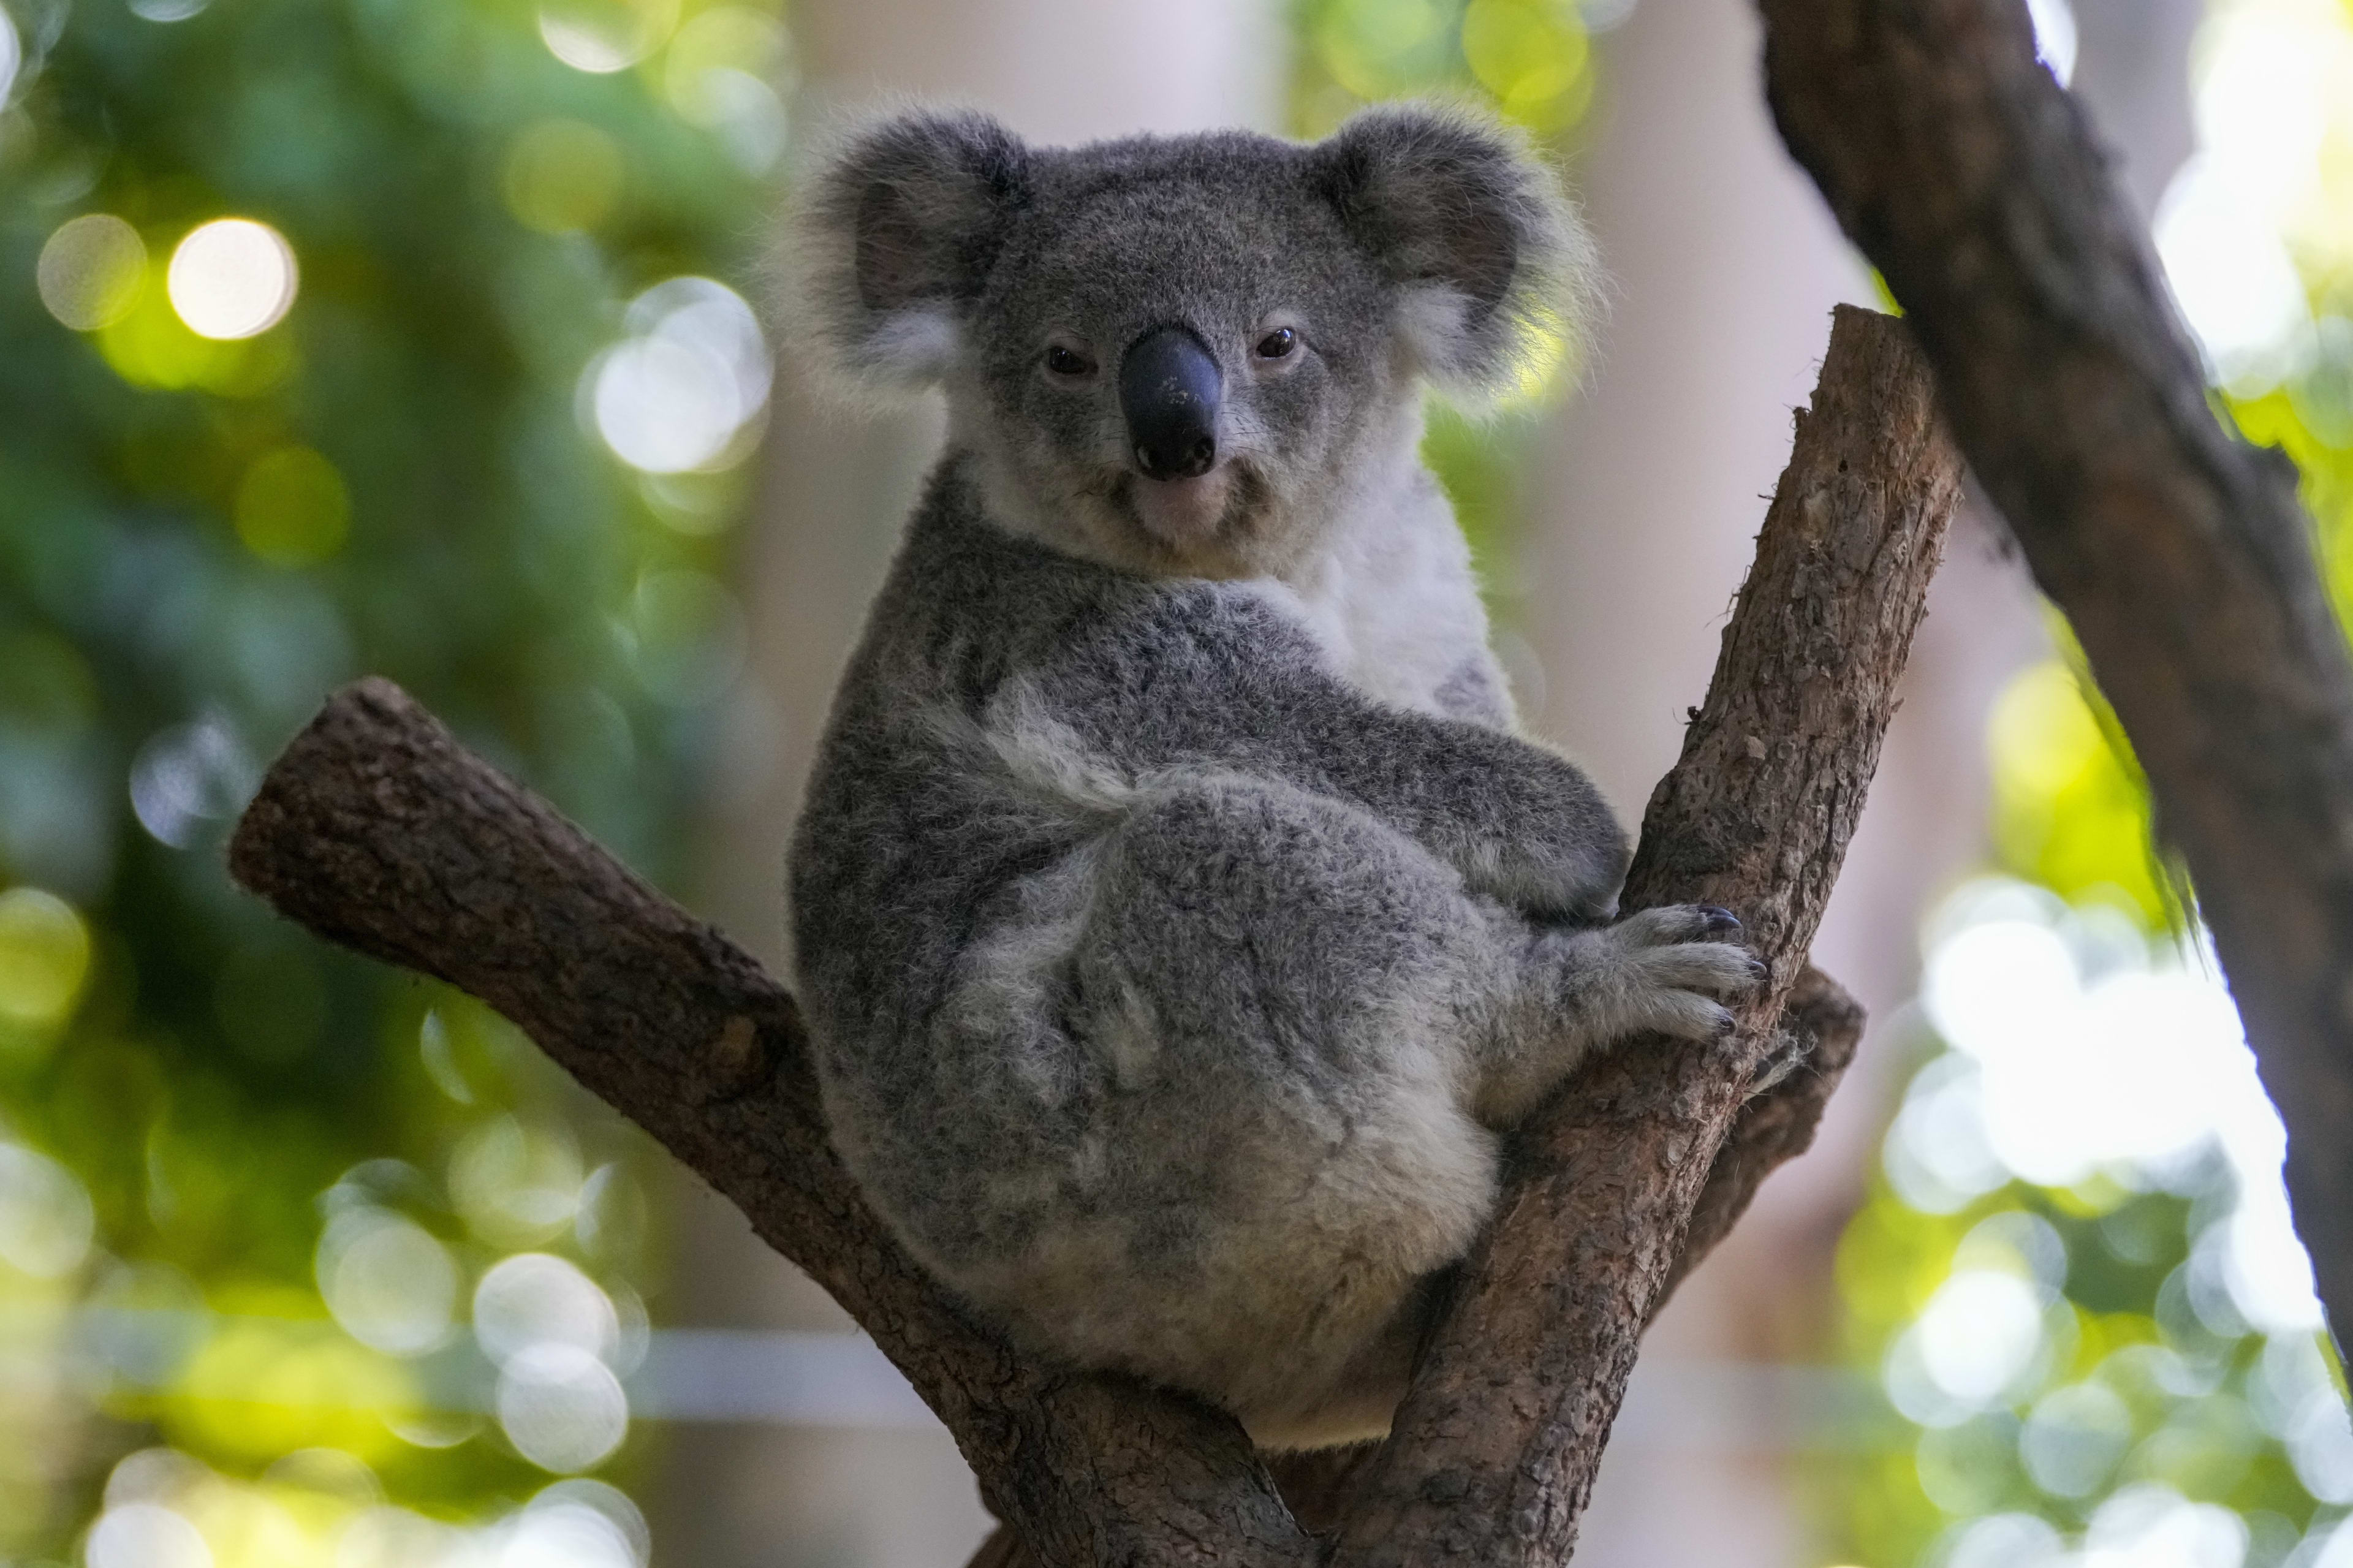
point(1168, 389)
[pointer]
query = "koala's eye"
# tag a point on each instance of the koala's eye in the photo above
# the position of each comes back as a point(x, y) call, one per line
point(1277, 344)
point(1064, 360)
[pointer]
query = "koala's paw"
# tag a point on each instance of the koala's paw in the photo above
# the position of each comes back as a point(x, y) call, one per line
point(1665, 970)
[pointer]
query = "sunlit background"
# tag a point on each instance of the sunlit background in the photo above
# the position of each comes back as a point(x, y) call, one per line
point(426, 339)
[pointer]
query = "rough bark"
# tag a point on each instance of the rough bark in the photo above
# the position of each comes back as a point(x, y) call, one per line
point(1495, 1450)
point(2178, 553)
point(1821, 1028)
point(377, 829)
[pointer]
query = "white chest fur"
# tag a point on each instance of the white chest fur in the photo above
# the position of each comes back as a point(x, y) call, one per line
point(1392, 602)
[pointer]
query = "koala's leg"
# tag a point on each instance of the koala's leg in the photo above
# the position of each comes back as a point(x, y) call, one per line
point(1278, 992)
point(1296, 1033)
point(1662, 970)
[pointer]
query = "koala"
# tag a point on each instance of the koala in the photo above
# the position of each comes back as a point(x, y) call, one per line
point(1181, 923)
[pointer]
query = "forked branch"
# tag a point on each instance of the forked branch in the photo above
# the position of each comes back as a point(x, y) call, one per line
point(377, 829)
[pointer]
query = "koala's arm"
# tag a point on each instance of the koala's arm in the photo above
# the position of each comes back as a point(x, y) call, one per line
point(1211, 677)
point(1522, 823)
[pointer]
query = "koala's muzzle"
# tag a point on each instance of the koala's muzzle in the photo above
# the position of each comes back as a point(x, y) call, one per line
point(1168, 390)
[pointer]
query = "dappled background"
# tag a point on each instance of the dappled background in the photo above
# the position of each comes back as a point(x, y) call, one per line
point(427, 338)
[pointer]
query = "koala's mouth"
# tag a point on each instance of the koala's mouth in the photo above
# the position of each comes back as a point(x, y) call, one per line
point(1184, 515)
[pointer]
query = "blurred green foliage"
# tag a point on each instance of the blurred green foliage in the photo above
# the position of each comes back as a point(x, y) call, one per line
point(1529, 62)
point(199, 536)
point(252, 1191)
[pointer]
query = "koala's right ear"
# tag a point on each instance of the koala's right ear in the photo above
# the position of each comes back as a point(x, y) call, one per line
point(893, 235)
point(1488, 258)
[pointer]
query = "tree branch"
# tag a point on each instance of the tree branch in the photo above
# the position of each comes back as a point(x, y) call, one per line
point(1821, 1026)
point(2178, 552)
point(377, 829)
point(1495, 1450)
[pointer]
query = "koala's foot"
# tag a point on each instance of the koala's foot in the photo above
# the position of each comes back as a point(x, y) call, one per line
point(1666, 970)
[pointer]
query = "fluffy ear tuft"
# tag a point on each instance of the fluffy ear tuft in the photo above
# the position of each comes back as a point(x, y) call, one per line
point(892, 237)
point(1496, 277)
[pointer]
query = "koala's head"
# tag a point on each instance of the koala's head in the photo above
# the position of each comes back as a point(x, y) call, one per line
point(1186, 353)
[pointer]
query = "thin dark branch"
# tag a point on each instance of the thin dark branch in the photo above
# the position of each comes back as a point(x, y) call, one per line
point(1977, 185)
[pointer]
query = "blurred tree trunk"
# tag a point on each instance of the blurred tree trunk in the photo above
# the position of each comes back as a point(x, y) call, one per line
point(2178, 552)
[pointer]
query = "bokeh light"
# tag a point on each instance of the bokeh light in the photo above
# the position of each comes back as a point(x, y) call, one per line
point(1529, 60)
point(292, 507)
point(2074, 1439)
point(188, 776)
point(259, 1384)
point(609, 1503)
point(516, 1186)
point(92, 269)
point(2266, 200)
point(536, 1299)
point(145, 1535)
point(562, 1408)
point(1979, 1333)
point(2054, 36)
point(602, 36)
point(149, 345)
point(2081, 1280)
point(390, 1281)
point(1377, 50)
point(167, 11)
point(2085, 1053)
point(232, 278)
point(1532, 55)
point(2232, 274)
point(682, 390)
point(561, 1532)
point(724, 72)
point(562, 175)
point(555, 1337)
point(44, 957)
point(164, 1508)
point(12, 55)
point(46, 1218)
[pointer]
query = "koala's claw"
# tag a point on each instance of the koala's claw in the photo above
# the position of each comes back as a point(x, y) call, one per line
point(1677, 923)
point(1662, 970)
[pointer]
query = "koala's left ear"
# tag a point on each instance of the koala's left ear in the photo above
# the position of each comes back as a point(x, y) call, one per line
point(894, 238)
point(1485, 252)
